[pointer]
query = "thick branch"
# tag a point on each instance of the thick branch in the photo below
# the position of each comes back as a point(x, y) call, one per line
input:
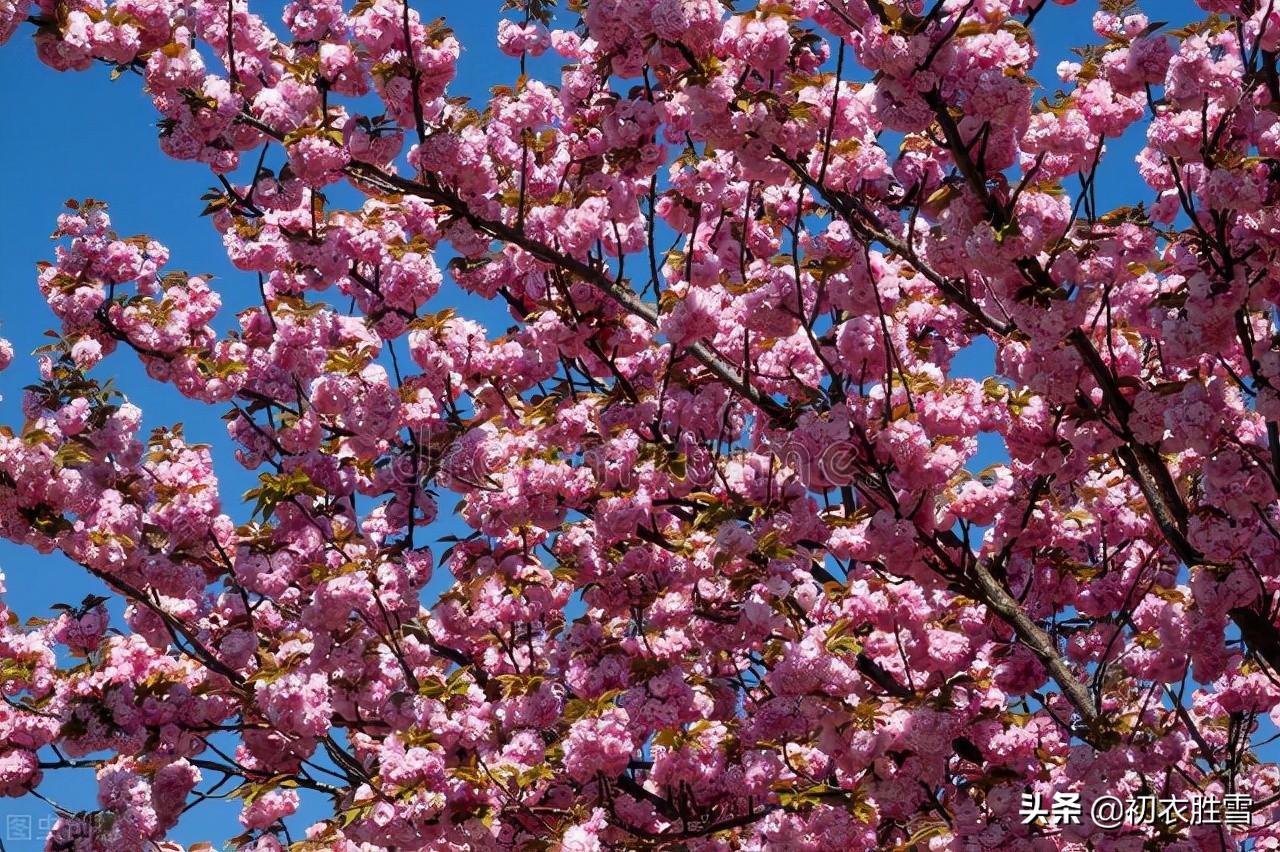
point(1002, 603)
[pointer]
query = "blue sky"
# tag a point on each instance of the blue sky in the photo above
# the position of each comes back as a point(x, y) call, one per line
point(77, 135)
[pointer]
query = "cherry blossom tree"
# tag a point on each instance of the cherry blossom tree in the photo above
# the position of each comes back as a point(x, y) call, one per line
point(732, 580)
